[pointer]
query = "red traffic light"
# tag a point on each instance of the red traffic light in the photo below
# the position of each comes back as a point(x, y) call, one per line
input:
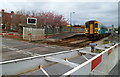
point(32, 21)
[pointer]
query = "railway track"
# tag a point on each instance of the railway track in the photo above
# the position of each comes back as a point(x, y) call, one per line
point(77, 41)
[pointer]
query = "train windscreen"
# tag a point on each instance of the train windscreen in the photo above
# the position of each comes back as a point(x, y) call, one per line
point(87, 25)
point(96, 25)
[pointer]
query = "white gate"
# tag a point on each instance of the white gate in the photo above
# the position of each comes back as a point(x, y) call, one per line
point(100, 64)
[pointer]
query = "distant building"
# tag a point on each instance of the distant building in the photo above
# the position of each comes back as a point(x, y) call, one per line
point(0, 22)
point(12, 21)
point(0, 19)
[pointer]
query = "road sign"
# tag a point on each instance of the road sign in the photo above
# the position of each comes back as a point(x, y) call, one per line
point(32, 21)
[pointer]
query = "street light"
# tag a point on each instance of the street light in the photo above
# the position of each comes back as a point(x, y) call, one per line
point(71, 20)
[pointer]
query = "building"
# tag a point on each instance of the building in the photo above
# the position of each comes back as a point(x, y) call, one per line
point(12, 21)
point(0, 18)
point(6, 22)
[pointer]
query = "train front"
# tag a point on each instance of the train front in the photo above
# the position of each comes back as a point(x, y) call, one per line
point(91, 28)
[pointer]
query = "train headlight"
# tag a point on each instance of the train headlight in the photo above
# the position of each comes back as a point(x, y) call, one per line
point(86, 30)
point(96, 31)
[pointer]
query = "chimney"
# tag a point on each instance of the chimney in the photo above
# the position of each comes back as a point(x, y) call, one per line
point(3, 10)
point(27, 15)
point(12, 12)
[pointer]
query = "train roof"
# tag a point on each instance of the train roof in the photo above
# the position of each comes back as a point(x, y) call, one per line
point(91, 21)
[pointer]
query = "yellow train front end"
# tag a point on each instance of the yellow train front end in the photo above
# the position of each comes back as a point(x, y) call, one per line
point(92, 28)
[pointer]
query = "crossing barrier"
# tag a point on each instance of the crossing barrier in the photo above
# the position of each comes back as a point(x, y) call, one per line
point(100, 64)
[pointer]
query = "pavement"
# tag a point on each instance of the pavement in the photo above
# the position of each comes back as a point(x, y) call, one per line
point(100, 42)
point(15, 49)
point(115, 70)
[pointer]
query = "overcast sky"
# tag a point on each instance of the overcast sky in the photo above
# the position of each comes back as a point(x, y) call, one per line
point(104, 12)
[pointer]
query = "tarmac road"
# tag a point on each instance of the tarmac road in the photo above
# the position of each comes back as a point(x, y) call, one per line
point(15, 49)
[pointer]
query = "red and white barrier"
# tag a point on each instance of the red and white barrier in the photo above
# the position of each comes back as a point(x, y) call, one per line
point(3, 34)
point(100, 64)
point(96, 62)
point(14, 35)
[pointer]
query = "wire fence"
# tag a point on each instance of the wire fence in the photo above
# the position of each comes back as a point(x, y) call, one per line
point(58, 30)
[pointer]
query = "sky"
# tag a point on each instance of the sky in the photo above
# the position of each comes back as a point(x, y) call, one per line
point(103, 11)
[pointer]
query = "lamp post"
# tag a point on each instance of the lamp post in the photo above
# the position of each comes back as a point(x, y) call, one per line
point(71, 20)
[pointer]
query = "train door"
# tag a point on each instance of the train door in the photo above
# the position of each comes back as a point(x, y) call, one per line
point(91, 29)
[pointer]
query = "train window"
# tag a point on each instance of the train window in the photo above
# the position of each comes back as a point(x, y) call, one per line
point(87, 25)
point(96, 25)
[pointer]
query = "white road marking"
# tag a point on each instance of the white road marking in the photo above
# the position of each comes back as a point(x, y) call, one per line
point(50, 46)
point(10, 48)
point(27, 53)
point(8, 39)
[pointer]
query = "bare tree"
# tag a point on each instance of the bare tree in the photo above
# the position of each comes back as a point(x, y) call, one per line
point(45, 19)
point(51, 20)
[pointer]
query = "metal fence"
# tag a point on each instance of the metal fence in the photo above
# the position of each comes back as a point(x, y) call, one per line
point(57, 30)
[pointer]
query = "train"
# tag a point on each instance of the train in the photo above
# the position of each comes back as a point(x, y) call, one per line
point(94, 29)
